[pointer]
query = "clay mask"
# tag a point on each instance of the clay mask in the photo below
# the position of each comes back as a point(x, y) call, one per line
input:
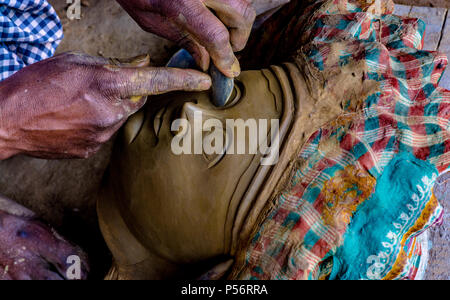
point(182, 207)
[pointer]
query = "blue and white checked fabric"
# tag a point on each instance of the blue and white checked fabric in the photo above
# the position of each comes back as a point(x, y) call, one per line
point(30, 31)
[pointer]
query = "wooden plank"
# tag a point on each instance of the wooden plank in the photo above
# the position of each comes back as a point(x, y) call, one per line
point(402, 10)
point(437, 33)
point(430, 3)
point(434, 18)
point(445, 48)
point(445, 42)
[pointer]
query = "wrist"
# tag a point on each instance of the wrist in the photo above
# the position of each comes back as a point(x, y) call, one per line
point(7, 145)
point(7, 126)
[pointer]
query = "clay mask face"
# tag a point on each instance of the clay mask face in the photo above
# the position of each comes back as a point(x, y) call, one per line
point(182, 207)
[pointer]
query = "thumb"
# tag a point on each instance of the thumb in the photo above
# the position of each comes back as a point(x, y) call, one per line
point(139, 82)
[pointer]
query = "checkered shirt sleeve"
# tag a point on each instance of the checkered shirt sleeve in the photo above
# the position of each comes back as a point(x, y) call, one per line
point(30, 31)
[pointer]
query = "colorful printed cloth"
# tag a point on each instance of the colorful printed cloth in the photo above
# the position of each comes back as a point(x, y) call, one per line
point(361, 198)
point(30, 31)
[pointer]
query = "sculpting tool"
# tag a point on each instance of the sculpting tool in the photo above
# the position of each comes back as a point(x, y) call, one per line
point(182, 60)
point(222, 86)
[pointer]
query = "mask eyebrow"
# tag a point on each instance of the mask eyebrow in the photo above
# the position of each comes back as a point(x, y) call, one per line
point(226, 142)
point(277, 102)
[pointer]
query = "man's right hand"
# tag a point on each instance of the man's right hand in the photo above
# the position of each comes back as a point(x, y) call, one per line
point(192, 25)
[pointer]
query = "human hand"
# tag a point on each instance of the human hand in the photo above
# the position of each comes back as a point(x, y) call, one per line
point(193, 26)
point(69, 105)
point(30, 250)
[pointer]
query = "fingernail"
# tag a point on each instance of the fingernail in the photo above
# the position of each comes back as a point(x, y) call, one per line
point(142, 60)
point(205, 84)
point(203, 62)
point(136, 99)
point(236, 68)
point(138, 61)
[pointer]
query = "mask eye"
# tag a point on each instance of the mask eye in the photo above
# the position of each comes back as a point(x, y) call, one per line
point(133, 126)
point(235, 96)
point(157, 121)
point(225, 137)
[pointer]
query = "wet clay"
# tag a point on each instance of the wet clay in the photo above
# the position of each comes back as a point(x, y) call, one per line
point(159, 211)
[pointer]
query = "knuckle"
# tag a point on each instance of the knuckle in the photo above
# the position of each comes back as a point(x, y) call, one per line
point(105, 122)
point(248, 12)
point(108, 82)
point(220, 37)
point(158, 81)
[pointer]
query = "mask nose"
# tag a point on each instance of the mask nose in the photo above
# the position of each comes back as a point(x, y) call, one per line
point(193, 110)
point(207, 126)
point(190, 111)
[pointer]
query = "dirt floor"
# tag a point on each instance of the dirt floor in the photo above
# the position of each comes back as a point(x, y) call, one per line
point(63, 192)
point(431, 3)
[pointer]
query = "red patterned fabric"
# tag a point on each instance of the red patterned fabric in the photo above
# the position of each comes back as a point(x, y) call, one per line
point(344, 166)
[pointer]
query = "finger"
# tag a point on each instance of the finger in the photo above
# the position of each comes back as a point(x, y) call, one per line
point(131, 82)
point(198, 52)
point(238, 16)
point(139, 62)
point(155, 23)
point(211, 33)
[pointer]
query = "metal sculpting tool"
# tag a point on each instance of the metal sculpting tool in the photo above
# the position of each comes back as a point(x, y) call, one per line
point(222, 86)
